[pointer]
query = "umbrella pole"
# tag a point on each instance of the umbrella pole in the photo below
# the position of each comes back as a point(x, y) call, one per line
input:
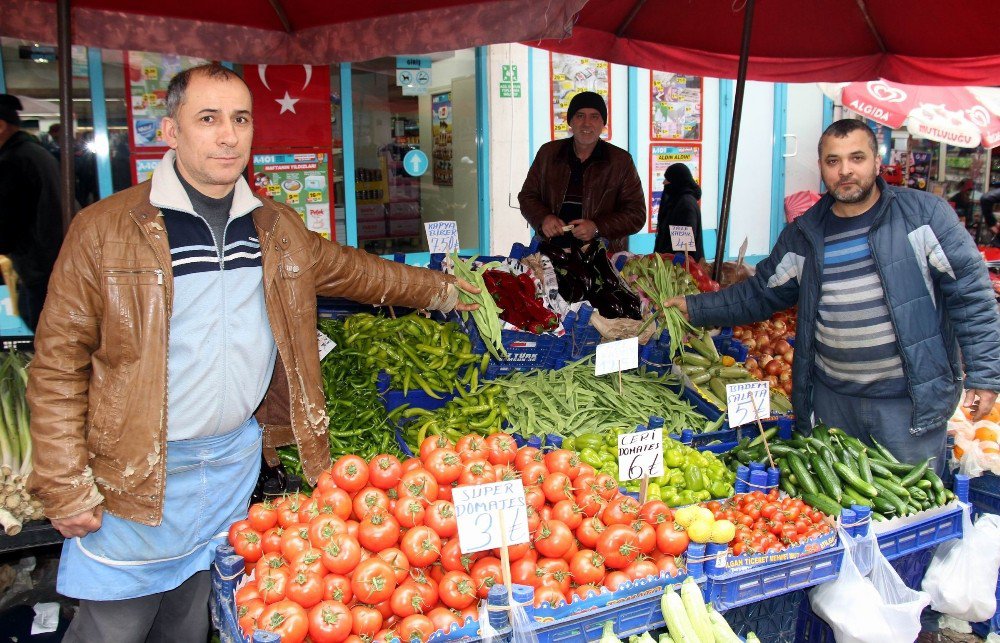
point(734, 140)
point(66, 147)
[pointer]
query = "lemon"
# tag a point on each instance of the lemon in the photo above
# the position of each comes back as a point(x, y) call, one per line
point(686, 515)
point(723, 531)
point(700, 531)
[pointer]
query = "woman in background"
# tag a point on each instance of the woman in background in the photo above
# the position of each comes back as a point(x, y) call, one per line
point(679, 206)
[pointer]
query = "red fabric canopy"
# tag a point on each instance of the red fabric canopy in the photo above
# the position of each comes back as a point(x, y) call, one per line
point(926, 42)
point(317, 31)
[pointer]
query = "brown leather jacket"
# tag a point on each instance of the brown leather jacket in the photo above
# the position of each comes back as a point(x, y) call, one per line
point(612, 193)
point(98, 382)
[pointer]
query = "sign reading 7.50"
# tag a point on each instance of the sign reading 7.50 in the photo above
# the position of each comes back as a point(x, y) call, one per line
point(480, 510)
point(640, 454)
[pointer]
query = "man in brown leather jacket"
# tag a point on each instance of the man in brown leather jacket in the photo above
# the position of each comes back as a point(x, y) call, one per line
point(180, 325)
point(584, 183)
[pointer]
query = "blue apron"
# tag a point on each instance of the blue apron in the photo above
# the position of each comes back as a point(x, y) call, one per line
point(209, 482)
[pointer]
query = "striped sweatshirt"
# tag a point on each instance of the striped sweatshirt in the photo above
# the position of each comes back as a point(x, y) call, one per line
point(856, 348)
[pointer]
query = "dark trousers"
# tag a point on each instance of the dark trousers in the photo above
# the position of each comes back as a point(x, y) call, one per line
point(179, 615)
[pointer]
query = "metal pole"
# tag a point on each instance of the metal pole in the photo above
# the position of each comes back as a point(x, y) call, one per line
point(66, 156)
point(734, 141)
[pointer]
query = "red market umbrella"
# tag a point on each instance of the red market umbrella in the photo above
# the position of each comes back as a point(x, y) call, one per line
point(961, 116)
point(921, 42)
point(291, 31)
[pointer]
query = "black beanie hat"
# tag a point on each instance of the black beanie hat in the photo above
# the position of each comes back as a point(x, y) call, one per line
point(588, 99)
point(10, 105)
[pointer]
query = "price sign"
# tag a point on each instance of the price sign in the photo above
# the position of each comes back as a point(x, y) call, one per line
point(442, 236)
point(747, 402)
point(640, 454)
point(478, 508)
point(325, 345)
point(682, 238)
point(617, 356)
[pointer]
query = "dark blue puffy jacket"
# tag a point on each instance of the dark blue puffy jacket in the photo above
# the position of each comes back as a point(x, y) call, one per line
point(936, 286)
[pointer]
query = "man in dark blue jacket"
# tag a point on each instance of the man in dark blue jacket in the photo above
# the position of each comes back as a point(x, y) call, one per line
point(895, 308)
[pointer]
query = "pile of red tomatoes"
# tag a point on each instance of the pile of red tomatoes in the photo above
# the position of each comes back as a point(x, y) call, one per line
point(373, 553)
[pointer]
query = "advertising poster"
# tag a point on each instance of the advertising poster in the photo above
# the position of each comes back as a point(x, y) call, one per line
point(919, 170)
point(660, 158)
point(675, 101)
point(148, 77)
point(441, 133)
point(143, 167)
point(300, 181)
point(571, 75)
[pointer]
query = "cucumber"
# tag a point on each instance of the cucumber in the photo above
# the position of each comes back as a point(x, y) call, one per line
point(856, 498)
point(822, 502)
point(883, 506)
point(894, 487)
point(781, 450)
point(802, 475)
point(917, 473)
point(935, 481)
point(864, 469)
point(918, 494)
point(705, 347)
point(877, 469)
point(925, 484)
point(886, 453)
point(786, 485)
point(897, 502)
point(854, 480)
point(827, 478)
point(897, 468)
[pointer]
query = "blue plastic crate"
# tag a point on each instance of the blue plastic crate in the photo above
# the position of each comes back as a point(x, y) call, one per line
point(922, 534)
point(633, 610)
point(525, 351)
point(991, 626)
point(912, 567)
point(773, 620)
point(984, 493)
point(581, 337)
point(415, 398)
point(743, 586)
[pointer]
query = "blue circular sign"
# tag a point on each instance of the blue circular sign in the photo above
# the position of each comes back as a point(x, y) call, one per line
point(415, 163)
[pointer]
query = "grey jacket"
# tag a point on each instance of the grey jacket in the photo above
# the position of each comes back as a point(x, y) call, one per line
point(936, 286)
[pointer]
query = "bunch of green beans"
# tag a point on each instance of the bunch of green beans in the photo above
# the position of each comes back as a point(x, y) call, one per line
point(487, 316)
point(478, 410)
point(573, 401)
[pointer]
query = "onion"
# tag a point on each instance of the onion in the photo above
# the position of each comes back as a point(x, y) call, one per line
point(750, 343)
point(785, 376)
point(750, 363)
point(763, 341)
point(773, 379)
point(781, 347)
point(789, 355)
point(787, 387)
point(779, 326)
point(774, 367)
point(756, 373)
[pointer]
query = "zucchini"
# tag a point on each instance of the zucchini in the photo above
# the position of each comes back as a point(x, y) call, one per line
point(854, 480)
point(690, 370)
point(700, 378)
point(676, 618)
point(705, 347)
point(827, 478)
point(694, 605)
point(694, 359)
point(802, 475)
point(718, 388)
point(729, 372)
point(822, 502)
point(720, 628)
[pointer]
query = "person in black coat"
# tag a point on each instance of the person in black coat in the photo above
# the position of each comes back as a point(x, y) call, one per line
point(31, 227)
point(679, 206)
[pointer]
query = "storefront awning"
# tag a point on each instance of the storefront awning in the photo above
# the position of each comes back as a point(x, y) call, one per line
point(927, 42)
point(292, 31)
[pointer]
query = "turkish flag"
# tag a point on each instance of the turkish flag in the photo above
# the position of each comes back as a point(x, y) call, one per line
point(291, 105)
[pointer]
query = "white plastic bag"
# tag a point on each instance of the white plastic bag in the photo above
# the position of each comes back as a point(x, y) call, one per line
point(962, 576)
point(875, 608)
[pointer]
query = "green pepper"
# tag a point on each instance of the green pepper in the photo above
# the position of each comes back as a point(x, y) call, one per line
point(686, 498)
point(720, 489)
point(570, 444)
point(703, 495)
point(591, 457)
point(673, 458)
point(693, 479)
point(610, 468)
point(677, 478)
point(653, 491)
point(592, 440)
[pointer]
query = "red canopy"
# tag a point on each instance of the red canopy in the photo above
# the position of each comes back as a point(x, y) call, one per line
point(925, 42)
point(292, 31)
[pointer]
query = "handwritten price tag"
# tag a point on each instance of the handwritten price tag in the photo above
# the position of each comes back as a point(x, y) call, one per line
point(640, 454)
point(442, 236)
point(617, 356)
point(743, 398)
point(325, 345)
point(682, 238)
point(478, 508)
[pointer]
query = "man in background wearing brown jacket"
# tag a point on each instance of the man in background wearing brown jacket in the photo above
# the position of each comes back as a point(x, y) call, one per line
point(181, 319)
point(584, 183)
